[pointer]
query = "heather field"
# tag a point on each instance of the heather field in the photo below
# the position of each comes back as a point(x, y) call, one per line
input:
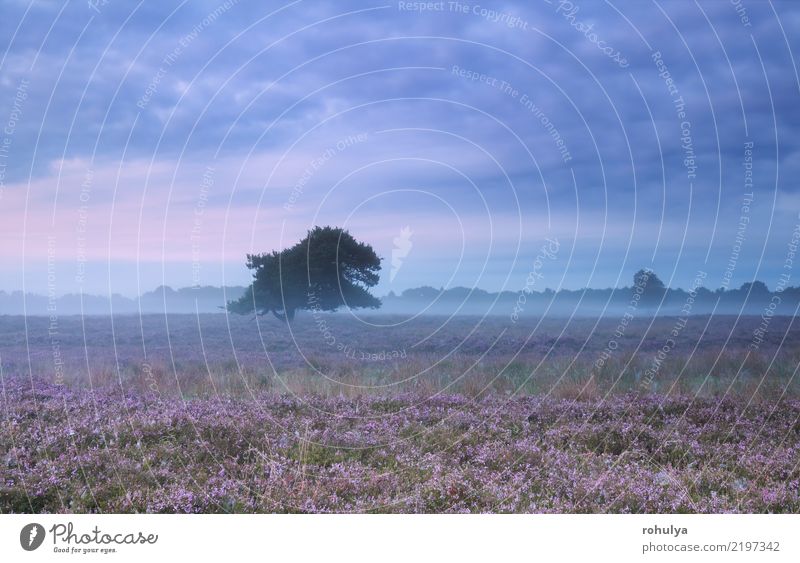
point(343, 355)
point(384, 414)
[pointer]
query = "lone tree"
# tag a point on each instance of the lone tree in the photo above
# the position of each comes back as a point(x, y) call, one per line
point(652, 288)
point(324, 271)
point(755, 289)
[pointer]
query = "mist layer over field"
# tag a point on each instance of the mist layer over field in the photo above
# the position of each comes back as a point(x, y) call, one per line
point(341, 354)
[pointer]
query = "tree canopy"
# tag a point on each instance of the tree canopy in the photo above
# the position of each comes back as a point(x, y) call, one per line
point(652, 288)
point(324, 271)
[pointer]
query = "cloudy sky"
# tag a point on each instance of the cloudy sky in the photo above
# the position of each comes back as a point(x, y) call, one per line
point(160, 142)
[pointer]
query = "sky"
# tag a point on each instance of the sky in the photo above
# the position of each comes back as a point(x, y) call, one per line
point(500, 145)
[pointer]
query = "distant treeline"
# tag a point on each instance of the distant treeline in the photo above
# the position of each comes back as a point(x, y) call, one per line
point(205, 299)
point(646, 295)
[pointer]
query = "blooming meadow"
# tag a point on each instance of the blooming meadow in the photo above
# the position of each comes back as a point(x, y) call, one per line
point(106, 451)
point(214, 414)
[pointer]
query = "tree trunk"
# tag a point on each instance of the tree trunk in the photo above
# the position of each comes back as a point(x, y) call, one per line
point(286, 317)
